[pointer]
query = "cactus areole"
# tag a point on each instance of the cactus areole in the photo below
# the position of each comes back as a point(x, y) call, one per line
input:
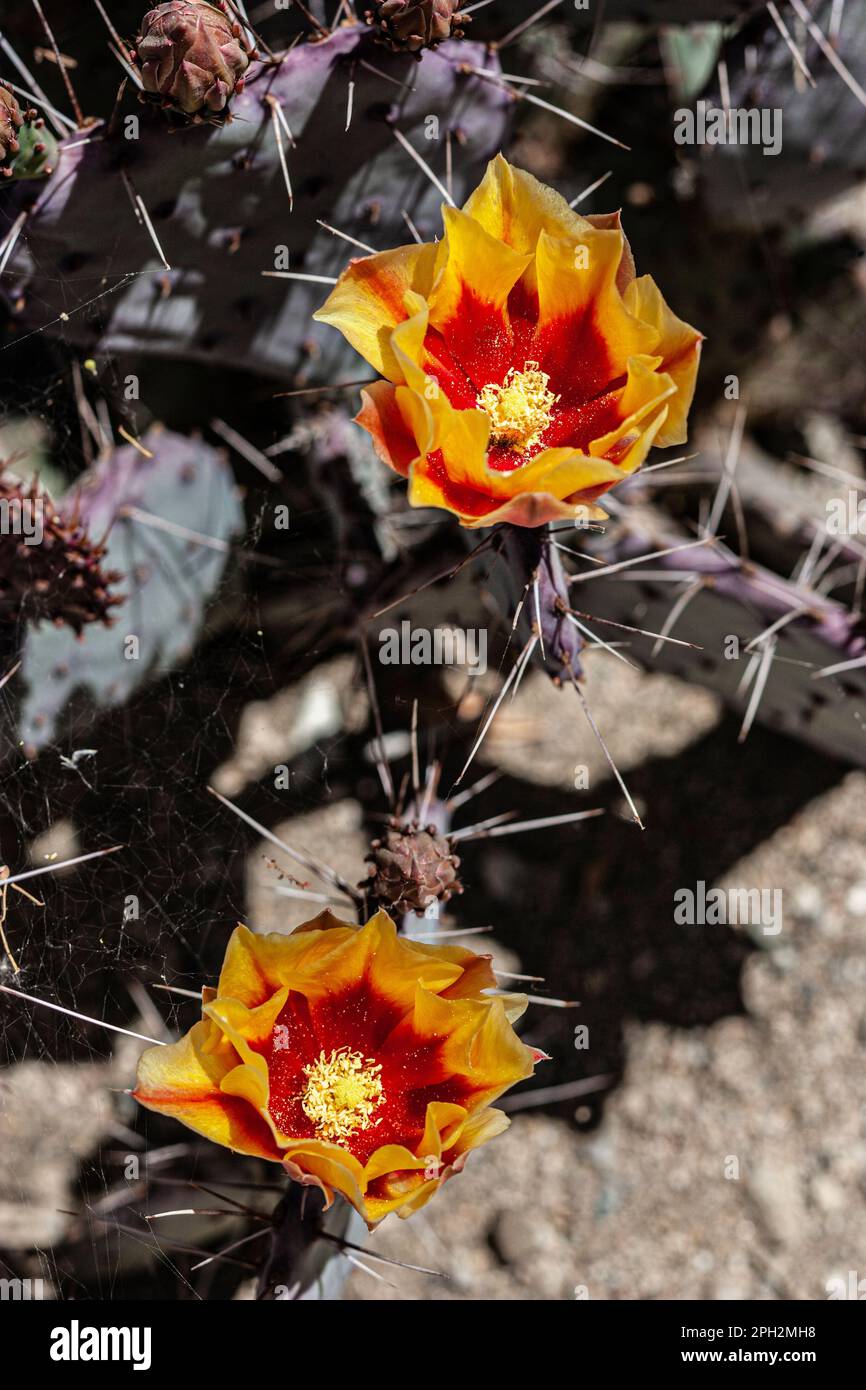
point(417, 24)
point(192, 57)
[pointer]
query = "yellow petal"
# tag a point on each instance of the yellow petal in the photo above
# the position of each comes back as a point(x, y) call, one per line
point(578, 297)
point(183, 1080)
point(368, 301)
point(679, 346)
point(477, 266)
point(514, 207)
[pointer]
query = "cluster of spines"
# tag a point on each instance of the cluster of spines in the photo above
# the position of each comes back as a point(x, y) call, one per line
point(56, 573)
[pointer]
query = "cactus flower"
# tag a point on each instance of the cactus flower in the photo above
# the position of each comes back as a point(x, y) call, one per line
point(526, 370)
point(192, 56)
point(361, 1061)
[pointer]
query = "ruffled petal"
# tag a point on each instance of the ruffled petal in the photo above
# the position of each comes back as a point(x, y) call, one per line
point(468, 304)
point(380, 415)
point(679, 346)
point(368, 301)
point(586, 334)
point(184, 1081)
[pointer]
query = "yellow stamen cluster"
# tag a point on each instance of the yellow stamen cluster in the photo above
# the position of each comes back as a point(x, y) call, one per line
point(519, 408)
point(342, 1092)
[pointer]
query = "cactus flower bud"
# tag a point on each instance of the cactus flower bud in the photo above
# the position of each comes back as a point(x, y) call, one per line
point(11, 121)
point(416, 24)
point(363, 1062)
point(192, 55)
point(411, 868)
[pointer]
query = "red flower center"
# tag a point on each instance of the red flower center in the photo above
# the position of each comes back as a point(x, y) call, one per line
point(346, 1069)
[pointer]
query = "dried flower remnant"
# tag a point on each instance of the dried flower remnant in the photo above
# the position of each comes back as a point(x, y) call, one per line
point(192, 56)
point(50, 568)
point(411, 867)
point(526, 370)
point(364, 1063)
point(417, 24)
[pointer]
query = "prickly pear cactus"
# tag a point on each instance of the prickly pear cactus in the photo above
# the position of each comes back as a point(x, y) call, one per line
point(167, 571)
point(220, 209)
point(777, 651)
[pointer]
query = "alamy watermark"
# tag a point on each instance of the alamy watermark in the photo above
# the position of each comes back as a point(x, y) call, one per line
point(846, 516)
point(77, 1343)
point(22, 516)
point(22, 1290)
point(713, 125)
point(756, 907)
point(438, 646)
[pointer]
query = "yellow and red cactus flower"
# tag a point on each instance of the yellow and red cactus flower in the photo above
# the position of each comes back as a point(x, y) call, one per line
point(365, 1063)
point(526, 370)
